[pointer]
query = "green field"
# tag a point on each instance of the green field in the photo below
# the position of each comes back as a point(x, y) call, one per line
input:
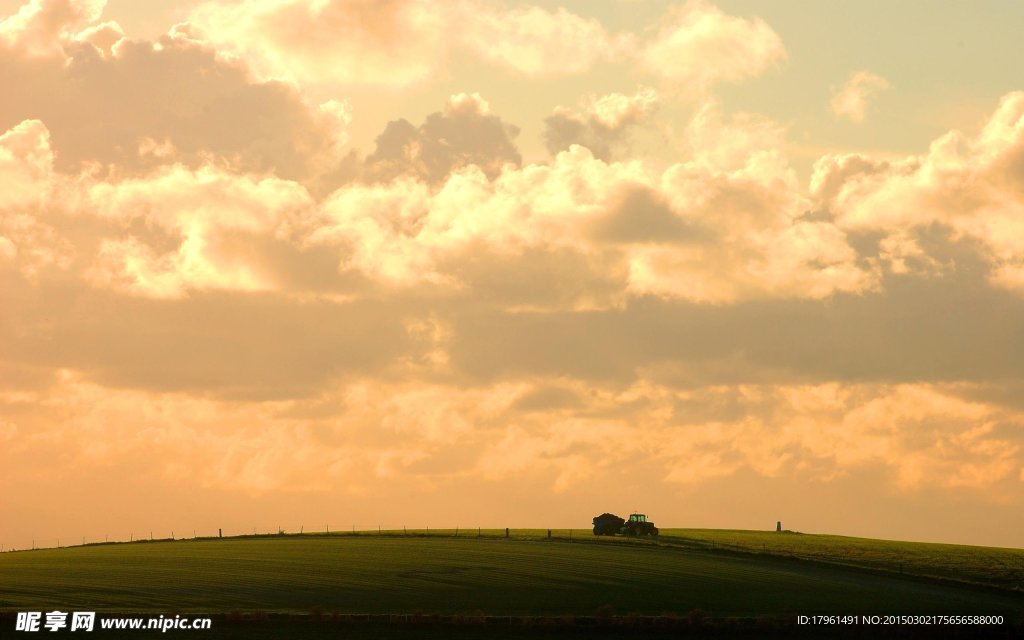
point(526, 574)
point(1003, 568)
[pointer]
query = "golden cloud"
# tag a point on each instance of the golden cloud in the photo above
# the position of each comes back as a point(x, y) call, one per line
point(700, 44)
point(921, 435)
point(851, 100)
point(970, 186)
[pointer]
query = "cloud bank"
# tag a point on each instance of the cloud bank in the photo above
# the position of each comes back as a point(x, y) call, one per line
point(194, 261)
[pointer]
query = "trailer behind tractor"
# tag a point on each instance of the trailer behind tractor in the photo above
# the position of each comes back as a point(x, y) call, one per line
point(609, 524)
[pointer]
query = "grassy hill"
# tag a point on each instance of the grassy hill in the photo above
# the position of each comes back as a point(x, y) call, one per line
point(998, 567)
point(723, 573)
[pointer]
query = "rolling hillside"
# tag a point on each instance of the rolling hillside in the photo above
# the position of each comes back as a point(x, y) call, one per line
point(526, 574)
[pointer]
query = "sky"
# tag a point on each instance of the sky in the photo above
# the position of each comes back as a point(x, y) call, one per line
point(353, 263)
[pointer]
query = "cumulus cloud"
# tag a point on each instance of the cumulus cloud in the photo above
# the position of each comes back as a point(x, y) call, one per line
point(738, 184)
point(7, 249)
point(536, 42)
point(850, 101)
point(600, 123)
point(643, 216)
point(359, 42)
point(41, 28)
point(725, 225)
point(160, 235)
point(412, 442)
point(371, 433)
point(217, 218)
point(196, 277)
point(829, 430)
point(405, 42)
point(87, 92)
point(969, 186)
point(809, 260)
point(26, 165)
point(465, 134)
point(399, 42)
point(697, 44)
point(27, 183)
point(412, 231)
point(104, 37)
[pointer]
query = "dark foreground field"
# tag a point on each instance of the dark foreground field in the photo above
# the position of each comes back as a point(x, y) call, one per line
point(417, 586)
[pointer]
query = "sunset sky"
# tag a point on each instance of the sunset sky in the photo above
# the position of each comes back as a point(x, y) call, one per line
point(485, 263)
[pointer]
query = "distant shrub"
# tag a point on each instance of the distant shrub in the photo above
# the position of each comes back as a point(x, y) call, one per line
point(604, 613)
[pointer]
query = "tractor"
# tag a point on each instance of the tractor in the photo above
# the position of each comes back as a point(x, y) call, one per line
point(609, 524)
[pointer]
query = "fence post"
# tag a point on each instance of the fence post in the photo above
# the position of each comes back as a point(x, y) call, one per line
point(506, 532)
point(220, 533)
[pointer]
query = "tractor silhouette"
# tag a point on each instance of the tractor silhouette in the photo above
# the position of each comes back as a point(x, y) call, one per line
point(609, 524)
